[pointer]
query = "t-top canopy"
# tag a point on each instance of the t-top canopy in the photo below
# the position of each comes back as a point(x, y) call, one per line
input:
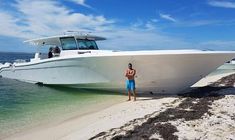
point(55, 40)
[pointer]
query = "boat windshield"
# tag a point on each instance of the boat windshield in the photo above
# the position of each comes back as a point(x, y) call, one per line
point(85, 44)
point(68, 43)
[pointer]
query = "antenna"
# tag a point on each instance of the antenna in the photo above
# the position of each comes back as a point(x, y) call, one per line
point(77, 32)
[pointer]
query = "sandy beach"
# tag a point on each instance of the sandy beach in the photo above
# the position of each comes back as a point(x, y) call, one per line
point(203, 113)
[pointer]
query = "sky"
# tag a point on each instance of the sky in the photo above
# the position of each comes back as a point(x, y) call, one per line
point(127, 25)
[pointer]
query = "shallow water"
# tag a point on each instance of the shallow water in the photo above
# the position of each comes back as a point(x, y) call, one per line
point(24, 105)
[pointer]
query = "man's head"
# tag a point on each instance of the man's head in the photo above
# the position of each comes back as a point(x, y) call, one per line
point(51, 49)
point(130, 66)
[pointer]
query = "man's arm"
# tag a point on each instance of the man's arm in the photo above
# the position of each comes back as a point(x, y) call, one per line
point(126, 73)
point(132, 74)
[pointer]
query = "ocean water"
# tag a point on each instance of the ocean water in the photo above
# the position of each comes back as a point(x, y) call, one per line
point(11, 57)
point(24, 105)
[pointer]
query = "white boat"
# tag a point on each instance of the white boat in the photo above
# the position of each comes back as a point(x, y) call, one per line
point(81, 64)
point(230, 65)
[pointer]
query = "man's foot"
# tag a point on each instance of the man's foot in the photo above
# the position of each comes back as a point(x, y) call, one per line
point(128, 100)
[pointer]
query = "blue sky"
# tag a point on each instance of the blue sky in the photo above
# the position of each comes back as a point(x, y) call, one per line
point(128, 25)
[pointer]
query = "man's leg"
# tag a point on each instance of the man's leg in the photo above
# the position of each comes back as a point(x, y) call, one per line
point(134, 95)
point(128, 90)
point(129, 95)
point(133, 90)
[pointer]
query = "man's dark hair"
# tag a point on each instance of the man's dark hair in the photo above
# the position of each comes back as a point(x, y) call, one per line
point(129, 64)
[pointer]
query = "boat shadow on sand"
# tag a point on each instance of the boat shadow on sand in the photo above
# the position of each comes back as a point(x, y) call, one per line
point(223, 86)
point(194, 92)
point(73, 90)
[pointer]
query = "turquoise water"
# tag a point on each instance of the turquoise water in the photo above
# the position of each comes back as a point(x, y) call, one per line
point(25, 105)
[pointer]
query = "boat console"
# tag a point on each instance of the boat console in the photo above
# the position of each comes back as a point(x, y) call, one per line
point(66, 45)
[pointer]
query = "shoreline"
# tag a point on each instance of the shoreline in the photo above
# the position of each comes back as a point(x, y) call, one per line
point(168, 117)
point(62, 118)
point(89, 125)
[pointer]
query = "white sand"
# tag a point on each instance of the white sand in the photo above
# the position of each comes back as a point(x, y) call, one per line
point(217, 126)
point(89, 125)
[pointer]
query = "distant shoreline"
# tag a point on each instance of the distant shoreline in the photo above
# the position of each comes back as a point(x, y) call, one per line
point(18, 52)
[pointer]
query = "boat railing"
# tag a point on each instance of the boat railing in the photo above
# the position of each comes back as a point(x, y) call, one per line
point(5, 65)
point(20, 61)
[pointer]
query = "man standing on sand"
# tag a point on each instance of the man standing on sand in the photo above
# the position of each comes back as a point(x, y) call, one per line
point(130, 83)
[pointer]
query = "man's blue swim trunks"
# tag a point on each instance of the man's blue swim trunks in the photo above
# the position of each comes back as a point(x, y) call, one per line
point(130, 84)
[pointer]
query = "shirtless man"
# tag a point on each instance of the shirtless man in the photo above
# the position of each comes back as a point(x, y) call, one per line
point(130, 83)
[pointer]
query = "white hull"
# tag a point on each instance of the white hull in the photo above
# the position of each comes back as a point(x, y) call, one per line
point(157, 71)
point(227, 66)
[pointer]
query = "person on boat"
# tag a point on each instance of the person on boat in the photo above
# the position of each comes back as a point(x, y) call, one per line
point(50, 54)
point(56, 51)
point(130, 83)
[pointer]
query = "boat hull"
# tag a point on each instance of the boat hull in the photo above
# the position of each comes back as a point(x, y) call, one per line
point(227, 66)
point(159, 73)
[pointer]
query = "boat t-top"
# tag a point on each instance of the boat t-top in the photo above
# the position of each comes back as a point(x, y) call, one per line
point(76, 60)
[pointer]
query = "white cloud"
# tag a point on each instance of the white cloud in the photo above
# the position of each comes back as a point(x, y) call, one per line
point(7, 24)
point(205, 22)
point(223, 4)
point(138, 23)
point(80, 2)
point(148, 25)
point(140, 39)
point(218, 43)
point(154, 20)
point(9, 27)
point(50, 18)
point(197, 23)
point(167, 17)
